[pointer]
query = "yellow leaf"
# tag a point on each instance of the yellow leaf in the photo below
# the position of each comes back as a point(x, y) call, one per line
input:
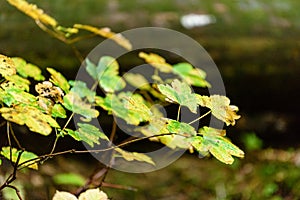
point(220, 108)
point(156, 61)
point(7, 66)
point(33, 11)
point(107, 33)
point(130, 156)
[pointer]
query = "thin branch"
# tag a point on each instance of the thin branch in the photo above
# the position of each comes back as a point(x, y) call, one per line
point(92, 151)
point(178, 112)
point(14, 136)
point(117, 186)
point(200, 117)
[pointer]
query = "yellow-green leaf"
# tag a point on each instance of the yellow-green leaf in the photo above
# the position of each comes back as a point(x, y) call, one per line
point(7, 66)
point(58, 111)
point(30, 116)
point(181, 93)
point(191, 75)
point(220, 107)
point(156, 61)
point(87, 133)
point(28, 69)
point(19, 82)
point(59, 80)
point(131, 156)
point(213, 140)
point(74, 103)
point(107, 33)
point(24, 157)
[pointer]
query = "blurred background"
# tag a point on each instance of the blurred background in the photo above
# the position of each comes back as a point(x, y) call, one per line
point(256, 46)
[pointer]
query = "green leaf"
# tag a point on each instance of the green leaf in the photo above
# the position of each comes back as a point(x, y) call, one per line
point(213, 140)
point(13, 95)
point(128, 107)
point(87, 133)
point(220, 108)
point(30, 116)
point(93, 194)
point(7, 67)
point(58, 111)
point(156, 61)
point(131, 156)
point(63, 196)
point(59, 80)
point(28, 69)
point(68, 179)
point(106, 73)
point(181, 93)
point(24, 157)
point(74, 103)
point(180, 128)
point(191, 75)
point(82, 90)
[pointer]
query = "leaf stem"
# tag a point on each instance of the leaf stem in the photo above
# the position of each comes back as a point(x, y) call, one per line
point(200, 117)
point(178, 112)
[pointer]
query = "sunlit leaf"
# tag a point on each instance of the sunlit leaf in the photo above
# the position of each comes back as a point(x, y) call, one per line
point(80, 88)
point(12, 95)
point(7, 67)
point(191, 75)
point(19, 82)
point(220, 107)
point(137, 80)
point(93, 194)
point(27, 69)
point(24, 157)
point(181, 93)
point(33, 11)
point(59, 80)
point(58, 111)
point(68, 179)
point(156, 61)
point(128, 107)
point(213, 140)
point(30, 116)
point(87, 133)
point(131, 156)
point(107, 33)
point(106, 73)
point(63, 196)
point(180, 128)
point(74, 103)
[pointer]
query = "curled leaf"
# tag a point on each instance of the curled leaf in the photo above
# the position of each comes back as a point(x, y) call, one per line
point(220, 107)
point(193, 76)
point(131, 156)
point(33, 11)
point(107, 33)
point(59, 80)
point(156, 61)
